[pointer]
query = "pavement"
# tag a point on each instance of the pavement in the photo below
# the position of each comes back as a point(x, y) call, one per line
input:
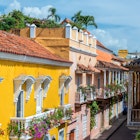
point(107, 133)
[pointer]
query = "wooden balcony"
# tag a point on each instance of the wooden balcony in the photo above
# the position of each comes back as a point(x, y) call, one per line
point(134, 119)
point(80, 98)
point(87, 96)
point(91, 96)
point(102, 94)
point(24, 123)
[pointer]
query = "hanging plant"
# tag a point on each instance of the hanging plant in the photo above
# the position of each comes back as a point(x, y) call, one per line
point(94, 108)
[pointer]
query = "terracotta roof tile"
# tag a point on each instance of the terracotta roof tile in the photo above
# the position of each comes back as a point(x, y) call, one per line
point(11, 43)
point(101, 45)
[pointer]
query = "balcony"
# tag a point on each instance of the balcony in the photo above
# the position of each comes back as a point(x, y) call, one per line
point(23, 124)
point(84, 96)
point(104, 94)
point(134, 119)
point(91, 95)
point(80, 97)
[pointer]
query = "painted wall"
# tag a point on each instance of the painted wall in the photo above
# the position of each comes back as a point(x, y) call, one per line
point(10, 70)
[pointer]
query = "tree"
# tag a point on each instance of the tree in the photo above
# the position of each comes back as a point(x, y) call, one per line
point(77, 17)
point(88, 20)
point(53, 15)
point(83, 21)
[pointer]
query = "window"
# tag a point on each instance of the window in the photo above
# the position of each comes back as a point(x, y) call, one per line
point(41, 87)
point(47, 137)
point(61, 134)
point(18, 92)
point(79, 80)
point(19, 81)
point(62, 96)
point(98, 82)
point(64, 83)
point(19, 107)
point(88, 79)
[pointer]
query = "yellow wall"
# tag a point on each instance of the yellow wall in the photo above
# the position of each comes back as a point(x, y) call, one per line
point(10, 70)
point(123, 53)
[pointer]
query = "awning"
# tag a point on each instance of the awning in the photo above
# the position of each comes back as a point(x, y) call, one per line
point(103, 64)
point(93, 69)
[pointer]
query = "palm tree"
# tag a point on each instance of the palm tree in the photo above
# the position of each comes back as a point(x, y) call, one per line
point(77, 17)
point(53, 15)
point(84, 21)
point(88, 20)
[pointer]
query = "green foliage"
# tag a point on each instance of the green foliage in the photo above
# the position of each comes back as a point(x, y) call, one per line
point(82, 22)
point(17, 20)
point(13, 129)
point(94, 108)
point(137, 137)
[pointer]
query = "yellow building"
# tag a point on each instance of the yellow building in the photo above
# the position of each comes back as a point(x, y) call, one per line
point(123, 53)
point(33, 82)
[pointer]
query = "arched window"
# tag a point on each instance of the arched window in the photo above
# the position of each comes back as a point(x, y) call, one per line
point(18, 93)
point(18, 82)
point(64, 83)
point(41, 87)
point(1, 79)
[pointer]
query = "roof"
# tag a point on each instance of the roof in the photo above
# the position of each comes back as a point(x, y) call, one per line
point(10, 43)
point(103, 56)
point(101, 45)
point(83, 68)
point(118, 59)
point(109, 65)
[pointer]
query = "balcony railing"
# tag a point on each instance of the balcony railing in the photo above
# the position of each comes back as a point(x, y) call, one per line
point(135, 115)
point(87, 95)
point(24, 123)
point(104, 94)
point(91, 95)
point(80, 97)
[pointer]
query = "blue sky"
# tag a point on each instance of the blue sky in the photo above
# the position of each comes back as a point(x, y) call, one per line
point(118, 20)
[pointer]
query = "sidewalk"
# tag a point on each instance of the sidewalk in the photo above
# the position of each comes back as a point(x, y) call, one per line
point(106, 134)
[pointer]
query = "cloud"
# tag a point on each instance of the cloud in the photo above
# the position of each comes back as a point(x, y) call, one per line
point(13, 6)
point(36, 11)
point(109, 41)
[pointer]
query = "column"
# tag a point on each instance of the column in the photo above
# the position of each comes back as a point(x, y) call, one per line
point(113, 77)
point(104, 78)
point(130, 90)
point(116, 77)
point(68, 31)
point(109, 77)
point(76, 32)
point(119, 77)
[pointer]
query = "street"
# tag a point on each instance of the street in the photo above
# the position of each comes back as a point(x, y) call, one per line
point(123, 133)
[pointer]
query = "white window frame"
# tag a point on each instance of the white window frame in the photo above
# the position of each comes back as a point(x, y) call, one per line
point(61, 130)
point(47, 135)
point(1, 79)
point(42, 85)
point(22, 104)
point(64, 84)
point(18, 82)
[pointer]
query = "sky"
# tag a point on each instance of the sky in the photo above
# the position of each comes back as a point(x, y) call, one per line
point(118, 20)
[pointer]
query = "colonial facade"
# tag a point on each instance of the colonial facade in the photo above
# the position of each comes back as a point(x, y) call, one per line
point(80, 48)
point(94, 65)
point(109, 97)
point(34, 86)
